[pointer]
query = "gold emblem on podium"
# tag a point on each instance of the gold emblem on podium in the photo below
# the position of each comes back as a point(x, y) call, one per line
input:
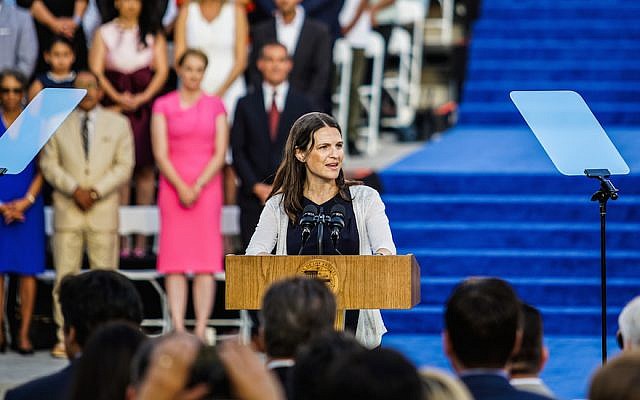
point(323, 270)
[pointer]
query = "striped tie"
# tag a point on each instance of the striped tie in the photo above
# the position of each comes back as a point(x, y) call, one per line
point(85, 135)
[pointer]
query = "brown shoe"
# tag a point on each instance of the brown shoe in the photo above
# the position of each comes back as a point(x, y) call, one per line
point(59, 351)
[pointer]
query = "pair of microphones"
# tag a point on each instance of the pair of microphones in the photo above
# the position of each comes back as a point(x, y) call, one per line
point(311, 217)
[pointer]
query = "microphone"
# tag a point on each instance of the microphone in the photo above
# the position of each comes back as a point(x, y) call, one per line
point(336, 223)
point(307, 222)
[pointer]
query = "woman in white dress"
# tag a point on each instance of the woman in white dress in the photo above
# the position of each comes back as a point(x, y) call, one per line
point(220, 29)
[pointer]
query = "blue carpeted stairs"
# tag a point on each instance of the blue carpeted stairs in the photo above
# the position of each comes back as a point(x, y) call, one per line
point(488, 214)
point(591, 46)
point(486, 200)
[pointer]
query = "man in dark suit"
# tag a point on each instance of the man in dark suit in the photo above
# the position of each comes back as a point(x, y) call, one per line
point(308, 43)
point(483, 328)
point(260, 128)
point(87, 300)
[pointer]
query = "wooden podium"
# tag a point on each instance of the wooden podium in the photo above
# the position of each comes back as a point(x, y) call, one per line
point(359, 282)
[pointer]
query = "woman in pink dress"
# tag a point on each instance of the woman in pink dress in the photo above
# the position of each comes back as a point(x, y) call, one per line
point(190, 135)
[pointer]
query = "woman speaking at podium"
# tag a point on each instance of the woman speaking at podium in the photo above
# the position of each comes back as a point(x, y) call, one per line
point(311, 195)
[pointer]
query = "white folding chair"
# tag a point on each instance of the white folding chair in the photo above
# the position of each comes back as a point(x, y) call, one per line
point(343, 59)
point(406, 42)
point(413, 13)
point(145, 220)
point(370, 93)
point(444, 23)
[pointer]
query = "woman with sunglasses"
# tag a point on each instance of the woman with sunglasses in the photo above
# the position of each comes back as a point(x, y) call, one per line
point(22, 223)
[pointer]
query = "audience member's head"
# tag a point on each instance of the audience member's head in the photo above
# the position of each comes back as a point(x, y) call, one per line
point(191, 52)
point(140, 364)
point(274, 63)
point(378, 374)
point(482, 324)
point(438, 385)
point(90, 299)
point(293, 310)
point(89, 81)
point(13, 85)
point(103, 371)
point(532, 355)
point(59, 55)
point(314, 361)
point(191, 68)
point(143, 11)
point(619, 379)
point(629, 325)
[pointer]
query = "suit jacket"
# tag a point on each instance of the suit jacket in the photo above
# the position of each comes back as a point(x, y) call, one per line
point(312, 59)
point(109, 165)
point(53, 387)
point(255, 156)
point(496, 387)
point(18, 41)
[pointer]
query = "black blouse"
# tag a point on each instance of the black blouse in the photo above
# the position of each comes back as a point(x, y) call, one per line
point(348, 243)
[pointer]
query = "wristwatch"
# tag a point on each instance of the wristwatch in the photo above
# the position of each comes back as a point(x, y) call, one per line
point(94, 195)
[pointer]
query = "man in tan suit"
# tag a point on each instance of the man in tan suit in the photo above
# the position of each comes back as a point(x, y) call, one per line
point(86, 162)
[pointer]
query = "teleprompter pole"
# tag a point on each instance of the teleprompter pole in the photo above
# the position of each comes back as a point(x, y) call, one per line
point(607, 191)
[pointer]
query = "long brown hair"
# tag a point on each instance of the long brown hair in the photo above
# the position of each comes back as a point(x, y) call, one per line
point(292, 173)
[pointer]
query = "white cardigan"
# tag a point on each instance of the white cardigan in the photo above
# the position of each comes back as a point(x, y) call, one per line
point(373, 230)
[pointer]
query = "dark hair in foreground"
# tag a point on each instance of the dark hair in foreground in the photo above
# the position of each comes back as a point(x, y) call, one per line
point(378, 374)
point(528, 359)
point(93, 298)
point(482, 318)
point(315, 360)
point(617, 380)
point(293, 311)
point(291, 174)
point(103, 371)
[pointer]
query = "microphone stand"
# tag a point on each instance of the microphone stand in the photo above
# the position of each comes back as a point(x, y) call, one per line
point(607, 191)
point(321, 219)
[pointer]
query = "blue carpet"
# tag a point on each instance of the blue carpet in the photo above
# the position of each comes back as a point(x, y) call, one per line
point(501, 150)
point(488, 201)
point(582, 354)
point(528, 230)
point(590, 46)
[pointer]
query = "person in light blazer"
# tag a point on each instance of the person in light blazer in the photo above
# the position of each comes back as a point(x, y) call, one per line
point(311, 175)
point(86, 167)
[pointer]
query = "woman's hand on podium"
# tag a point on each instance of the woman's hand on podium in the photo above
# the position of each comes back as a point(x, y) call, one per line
point(382, 252)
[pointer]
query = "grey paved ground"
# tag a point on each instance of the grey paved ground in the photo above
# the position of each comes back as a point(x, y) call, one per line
point(16, 369)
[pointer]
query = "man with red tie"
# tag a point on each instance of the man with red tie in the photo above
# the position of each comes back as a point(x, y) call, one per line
point(260, 128)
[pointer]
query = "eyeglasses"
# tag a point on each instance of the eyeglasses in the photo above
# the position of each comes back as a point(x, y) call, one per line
point(5, 90)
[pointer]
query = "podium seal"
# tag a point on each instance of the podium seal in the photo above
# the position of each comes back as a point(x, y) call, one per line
point(322, 270)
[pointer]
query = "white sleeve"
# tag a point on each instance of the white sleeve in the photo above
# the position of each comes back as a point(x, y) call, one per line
point(265, 237)
point(377, 224)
